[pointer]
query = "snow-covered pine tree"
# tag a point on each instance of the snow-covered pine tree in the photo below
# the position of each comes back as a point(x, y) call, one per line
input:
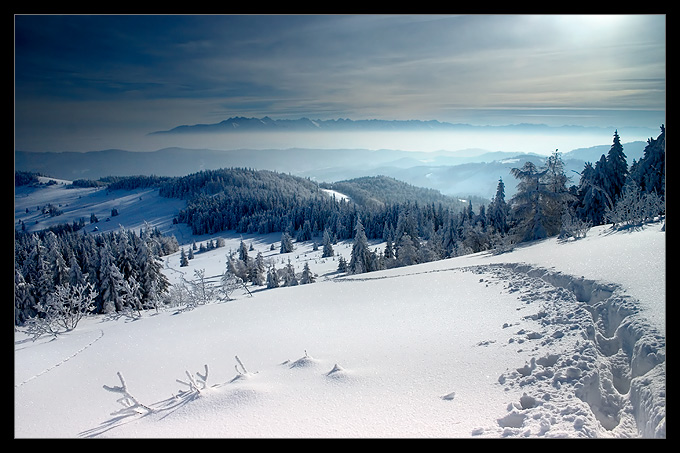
point(360, 256)
point(286, 243)
point(327, 245)
point(407, 254)
point(617, 168)
point(152, 280)
point(110, 283)
point(272, 277)
point(289, 277)
point(307, 276)
point(650, 171)
point(342, 264)
point(497, 213)
point(243, 252)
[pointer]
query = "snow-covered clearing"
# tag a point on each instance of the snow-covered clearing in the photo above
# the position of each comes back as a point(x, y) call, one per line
point(554, 339)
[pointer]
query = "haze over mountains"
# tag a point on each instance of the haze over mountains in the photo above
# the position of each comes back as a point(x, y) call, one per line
point(459, 173)
point(241, 124)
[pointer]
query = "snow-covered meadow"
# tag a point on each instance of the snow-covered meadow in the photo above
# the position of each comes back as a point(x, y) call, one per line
point(553, 339)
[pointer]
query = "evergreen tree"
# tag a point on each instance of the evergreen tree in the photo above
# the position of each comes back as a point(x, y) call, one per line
point(286, 243)
point(183, 260)
point(389, 251)
point(498, 211)
point(541, 199)
point(359, 260)
point(272, 277)
point(75, 273)
point(289, 277)
point(307, 275)
point(327, 245)
point(24, 302)
point(342, 264)
point(594, 197)
point(406, 251)
point(616, 169)
point(150, 276)
point(243, 252)
point(110, 284)
point(256, 273)
point(650, 171)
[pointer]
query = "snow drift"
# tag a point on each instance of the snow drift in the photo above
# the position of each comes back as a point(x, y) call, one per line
point(553, 339)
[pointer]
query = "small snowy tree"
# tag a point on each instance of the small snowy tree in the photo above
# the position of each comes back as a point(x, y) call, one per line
point(286, 243)
point(342, 264)
point(200, 289)
point(62, 310)
point(573, 226)
point(289, 277)
point(230, 283)
point(272, 278)
point(360, 256)
point(307, 275)
point(634, 207)
point(327, 245)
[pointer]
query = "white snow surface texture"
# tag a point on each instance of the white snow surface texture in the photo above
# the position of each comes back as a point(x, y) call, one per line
point(553, 340)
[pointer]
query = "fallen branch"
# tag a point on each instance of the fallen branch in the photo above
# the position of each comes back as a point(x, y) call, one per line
point(130, 404)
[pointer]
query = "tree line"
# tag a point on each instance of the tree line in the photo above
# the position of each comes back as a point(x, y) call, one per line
point(545, 205)
point(120, 271)
point(114, 271)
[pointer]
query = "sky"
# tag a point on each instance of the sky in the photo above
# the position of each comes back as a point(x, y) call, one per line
point(92, 82)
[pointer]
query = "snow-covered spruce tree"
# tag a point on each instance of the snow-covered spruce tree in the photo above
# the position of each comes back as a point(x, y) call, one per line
point(288, 274)
point(307, 276)
point(183, 260)
point(327, 245)
point(498, 211)
point(407, 254)
point(272, 277)
point(594, 198)
point(255, 270)
point(151, 279)
point(243, 252)
point(24, 303)
point(617, 168)
point(360, 259)
point(286, 243)
point(305, 232)
point(342, 264)
point(650, 171)
point(110, 283)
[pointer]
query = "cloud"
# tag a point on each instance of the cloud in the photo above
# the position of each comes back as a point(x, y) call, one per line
point(332, 66)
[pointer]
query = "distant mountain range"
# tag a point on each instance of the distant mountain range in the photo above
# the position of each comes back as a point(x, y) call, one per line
point(458, 173)
point(265, 124)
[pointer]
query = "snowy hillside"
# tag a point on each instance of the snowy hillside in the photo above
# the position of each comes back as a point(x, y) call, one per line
point(553, 339)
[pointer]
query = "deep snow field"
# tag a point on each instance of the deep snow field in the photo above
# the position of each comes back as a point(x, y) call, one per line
point(554, 339)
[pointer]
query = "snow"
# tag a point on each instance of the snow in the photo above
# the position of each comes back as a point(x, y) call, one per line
point(553, 339)
point(338, 196)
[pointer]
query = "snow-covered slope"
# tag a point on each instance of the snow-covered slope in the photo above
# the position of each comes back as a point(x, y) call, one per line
point(553, 339)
